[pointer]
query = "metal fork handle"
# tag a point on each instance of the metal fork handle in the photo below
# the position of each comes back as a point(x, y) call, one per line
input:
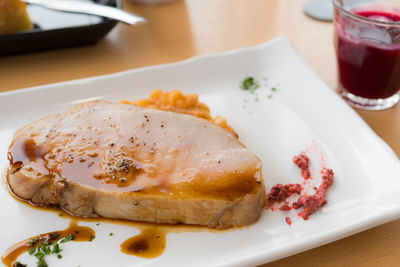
point(74, 6)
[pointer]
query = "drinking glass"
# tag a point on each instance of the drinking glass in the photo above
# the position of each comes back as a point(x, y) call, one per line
point(367, 43)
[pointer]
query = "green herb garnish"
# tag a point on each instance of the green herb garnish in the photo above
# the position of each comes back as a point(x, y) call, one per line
point(91, 238)
point(53, 236)
point(56, 249)
point(41, 263)
point(31, 251)
point(249, 84)
point(67, 238)
point(39, 254)
point(97, 224)
point(45, 248)
point(33, 241)
point(111, 234)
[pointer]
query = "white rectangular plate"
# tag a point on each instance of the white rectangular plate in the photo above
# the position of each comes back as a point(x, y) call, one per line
point(302, 111)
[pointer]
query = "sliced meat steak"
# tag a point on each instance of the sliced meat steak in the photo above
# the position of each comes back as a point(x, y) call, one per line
point(121, 161)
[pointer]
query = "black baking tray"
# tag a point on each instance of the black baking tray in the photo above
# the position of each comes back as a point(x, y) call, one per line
point(54, 29)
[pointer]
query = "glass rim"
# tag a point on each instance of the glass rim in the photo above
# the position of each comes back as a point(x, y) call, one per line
point(339, 5)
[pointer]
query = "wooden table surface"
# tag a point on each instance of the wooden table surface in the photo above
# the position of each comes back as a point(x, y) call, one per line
point(187, 28)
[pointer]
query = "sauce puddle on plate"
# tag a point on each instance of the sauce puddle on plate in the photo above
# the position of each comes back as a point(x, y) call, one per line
point(150, 243)
point(79, 234)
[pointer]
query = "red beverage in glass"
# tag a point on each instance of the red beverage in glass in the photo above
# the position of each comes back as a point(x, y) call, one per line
point(368, 68)
point(367, 42)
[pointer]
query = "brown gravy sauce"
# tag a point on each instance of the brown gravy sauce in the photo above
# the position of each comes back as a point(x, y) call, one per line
point(89, 164)
point(80, 233)
point(149, 243)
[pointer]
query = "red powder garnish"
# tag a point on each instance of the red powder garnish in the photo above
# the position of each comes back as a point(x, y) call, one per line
point(285, 207)
point(311, 203)
point(280, 192)
point(302, 162)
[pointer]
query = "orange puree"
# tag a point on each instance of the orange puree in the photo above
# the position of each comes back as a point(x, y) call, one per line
point(177, 102)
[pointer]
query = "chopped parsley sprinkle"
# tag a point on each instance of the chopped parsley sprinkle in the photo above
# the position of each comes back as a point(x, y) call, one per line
point(31, 251)
point(249, 84)
point(53, 236)
point(67, 238)
point(33, 241)
point(41, 263)
point(97, 224)
point(47, 250)
point(44, 248)
point(39, 254)
point(48, 244)
point(56, 249)
point(111, 234)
